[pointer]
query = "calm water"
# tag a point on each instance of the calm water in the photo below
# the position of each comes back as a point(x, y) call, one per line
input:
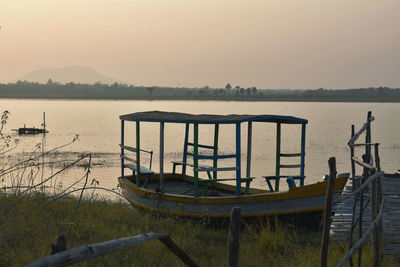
point(98, 125)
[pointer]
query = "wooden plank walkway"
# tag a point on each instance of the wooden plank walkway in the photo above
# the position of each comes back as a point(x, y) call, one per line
point(341, 221)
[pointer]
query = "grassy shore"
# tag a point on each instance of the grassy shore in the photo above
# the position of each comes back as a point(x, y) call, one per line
point(30, 224)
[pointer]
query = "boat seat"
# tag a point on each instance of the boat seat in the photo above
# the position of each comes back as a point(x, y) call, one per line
point(142, 170)
point(290, 180)
point(246, 180)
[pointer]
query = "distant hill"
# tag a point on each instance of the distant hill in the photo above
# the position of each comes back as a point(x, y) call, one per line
point(76, 74)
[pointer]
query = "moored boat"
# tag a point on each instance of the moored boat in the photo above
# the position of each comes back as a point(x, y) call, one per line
point(214, 195)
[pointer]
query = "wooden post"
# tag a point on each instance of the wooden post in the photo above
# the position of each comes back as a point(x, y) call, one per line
point(215, 150)
point(238, 161)
point(368, 138)
point(353, 187)
point(174, 248)
point(122, 148)
point(234, 237)
point(328, 211)
point(138, 153)
point(360, 222)
point(162, 157)
point(378, 196)
point(249, 137)
point(195, 158)
point(374, 210)
point(353, 165)
point(44, 122)
point(278, 155)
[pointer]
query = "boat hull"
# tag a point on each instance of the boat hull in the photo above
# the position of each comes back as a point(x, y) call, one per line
point(308, 199)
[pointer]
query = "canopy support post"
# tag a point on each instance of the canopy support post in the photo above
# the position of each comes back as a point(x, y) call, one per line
point(215, 161)
point(195, 158)
point(122, 148)
point(162, 157)
point(185, 148)
point(303, 152)
point(137, 153)
point(249, 137)
point(278, 155)
point(238, 163)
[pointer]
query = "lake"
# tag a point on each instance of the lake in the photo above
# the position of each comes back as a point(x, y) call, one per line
point(98, 126)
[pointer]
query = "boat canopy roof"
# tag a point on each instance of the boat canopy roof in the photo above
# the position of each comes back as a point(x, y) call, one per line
point(176, 117)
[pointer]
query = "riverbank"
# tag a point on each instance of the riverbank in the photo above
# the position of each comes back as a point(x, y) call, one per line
point(30, 224)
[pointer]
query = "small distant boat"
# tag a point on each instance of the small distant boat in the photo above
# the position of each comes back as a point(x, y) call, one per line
point(26, 130)
point(33, 130)
point(191, 196)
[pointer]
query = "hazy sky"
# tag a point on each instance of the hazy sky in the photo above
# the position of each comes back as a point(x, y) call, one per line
point(262, 43)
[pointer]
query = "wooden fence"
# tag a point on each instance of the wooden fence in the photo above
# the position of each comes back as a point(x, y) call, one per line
point(62, 257)
point(85, 252)
point(359, 198)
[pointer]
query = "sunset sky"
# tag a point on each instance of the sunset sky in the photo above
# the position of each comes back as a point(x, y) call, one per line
point(264, 43)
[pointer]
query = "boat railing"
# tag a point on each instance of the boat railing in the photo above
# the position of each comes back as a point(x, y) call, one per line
point(134, 163)
point(292, 178)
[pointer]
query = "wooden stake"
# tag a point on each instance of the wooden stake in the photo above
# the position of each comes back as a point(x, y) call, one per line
point(234, 237)
point(328, 212)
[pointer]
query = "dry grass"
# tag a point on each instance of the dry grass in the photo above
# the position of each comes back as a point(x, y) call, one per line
point(29, 224)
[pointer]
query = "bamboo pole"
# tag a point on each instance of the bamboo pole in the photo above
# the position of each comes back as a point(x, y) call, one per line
point(234, 237)
point(328, 211)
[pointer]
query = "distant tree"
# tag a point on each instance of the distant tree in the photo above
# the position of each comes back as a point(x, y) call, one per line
point(150, 90)
point(254, 90)
point(228, 87)
point(242, 91)
point(237, 89)
point(49, 82)
point(248, 91)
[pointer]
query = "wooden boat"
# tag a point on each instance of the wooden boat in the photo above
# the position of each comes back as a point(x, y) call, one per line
point(192, 196)
point(32, 130)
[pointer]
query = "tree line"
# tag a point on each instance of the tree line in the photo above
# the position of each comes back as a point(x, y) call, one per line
point(98, 90)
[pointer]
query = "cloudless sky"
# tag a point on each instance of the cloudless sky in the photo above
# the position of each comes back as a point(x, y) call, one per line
point(264, 43)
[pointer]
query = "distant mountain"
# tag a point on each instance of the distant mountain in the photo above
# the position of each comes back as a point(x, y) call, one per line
point(76, 74)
